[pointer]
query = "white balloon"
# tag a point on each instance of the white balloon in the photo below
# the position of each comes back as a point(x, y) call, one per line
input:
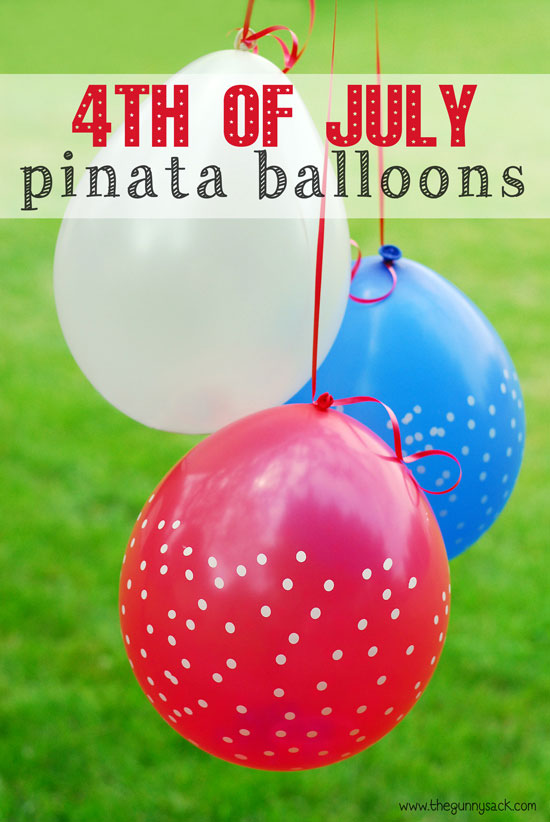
point(186, 323)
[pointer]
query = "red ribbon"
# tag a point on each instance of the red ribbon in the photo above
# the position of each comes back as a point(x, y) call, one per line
point(354, 271)
point(380, 192)
point(325, 401)
point(380, 149)
point(291, 56)
point(321, 229)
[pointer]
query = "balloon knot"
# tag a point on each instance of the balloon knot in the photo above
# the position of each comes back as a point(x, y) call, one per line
point(324, 401)
point(243, 43)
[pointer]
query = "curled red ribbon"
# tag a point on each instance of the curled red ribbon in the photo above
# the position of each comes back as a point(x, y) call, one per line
point(325, 401)
point(249, 38)
point(354, 271)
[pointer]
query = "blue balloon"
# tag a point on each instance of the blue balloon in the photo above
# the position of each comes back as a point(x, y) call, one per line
point(430, 354)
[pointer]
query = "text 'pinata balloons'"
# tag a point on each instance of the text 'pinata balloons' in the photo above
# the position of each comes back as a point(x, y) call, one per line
point(183, 320)
point(431, 355)
point(285, 592)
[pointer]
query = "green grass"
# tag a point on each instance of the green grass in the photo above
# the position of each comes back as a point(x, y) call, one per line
point(78, 740)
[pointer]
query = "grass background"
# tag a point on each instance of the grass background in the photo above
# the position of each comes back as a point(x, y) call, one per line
point(78, 741)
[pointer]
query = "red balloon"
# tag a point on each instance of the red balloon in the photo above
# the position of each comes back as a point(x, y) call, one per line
point(285, 592)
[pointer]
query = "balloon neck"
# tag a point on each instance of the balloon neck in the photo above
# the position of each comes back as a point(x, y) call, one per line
point(390, 253)
point(324, 402)
point(243, 45)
